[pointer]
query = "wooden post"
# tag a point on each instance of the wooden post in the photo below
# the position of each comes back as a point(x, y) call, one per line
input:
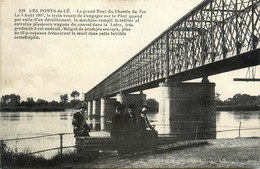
point(61, 144)
point(239, 128)
point(1, 152)
point(197, 129)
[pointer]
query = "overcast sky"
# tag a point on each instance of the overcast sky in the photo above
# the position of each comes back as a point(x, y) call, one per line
point(56, 65)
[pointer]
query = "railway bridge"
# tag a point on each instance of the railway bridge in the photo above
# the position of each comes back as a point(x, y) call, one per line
point(216, 36)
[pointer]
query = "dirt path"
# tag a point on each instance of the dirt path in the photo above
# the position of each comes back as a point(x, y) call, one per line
point(227, 153)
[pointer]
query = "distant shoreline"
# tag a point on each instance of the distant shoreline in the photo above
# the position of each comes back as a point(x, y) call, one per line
point(237, 108)
point(31, 109)
point(45, 109)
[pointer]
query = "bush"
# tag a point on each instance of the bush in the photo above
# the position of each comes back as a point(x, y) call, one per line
point(11, 158)
point(153, 105)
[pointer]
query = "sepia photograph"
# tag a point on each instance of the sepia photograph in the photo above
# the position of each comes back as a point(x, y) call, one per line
point(129, 84)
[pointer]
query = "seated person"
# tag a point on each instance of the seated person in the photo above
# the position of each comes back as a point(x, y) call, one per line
point(147, 135)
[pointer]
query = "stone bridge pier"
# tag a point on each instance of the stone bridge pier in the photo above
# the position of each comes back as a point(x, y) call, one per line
point(96, 107)
point(90, 108)
point(137, 99)
point(105, 107)
point(189, 109)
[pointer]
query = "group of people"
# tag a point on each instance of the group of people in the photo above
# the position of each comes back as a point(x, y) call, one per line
point(132, 129)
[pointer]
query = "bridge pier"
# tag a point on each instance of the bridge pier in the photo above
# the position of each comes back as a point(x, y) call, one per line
point(189, 108)
point(90, 107)
point(107, 107)
point(137, 99)
point(96, 107)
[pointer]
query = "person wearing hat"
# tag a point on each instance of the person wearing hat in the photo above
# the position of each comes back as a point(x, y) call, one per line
point(118, 121)
point(81, 128)
point(130, 120)
point(118, 129)
point(131, 128)
point(145, 130)
point(142, 121)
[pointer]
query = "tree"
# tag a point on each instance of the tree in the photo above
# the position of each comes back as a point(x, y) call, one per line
point(257, 101)
point(75, 103)
point(64, 98)
point(153, 105)
point(218, 101)
point(41, 102)
point(243, 100)
point(74, 94)
point(30, 101)
point(10, 100)
point(5, 100)
point(54, 103)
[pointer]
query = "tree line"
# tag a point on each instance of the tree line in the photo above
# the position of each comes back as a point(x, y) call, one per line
point(14, 101)
point(238, 102)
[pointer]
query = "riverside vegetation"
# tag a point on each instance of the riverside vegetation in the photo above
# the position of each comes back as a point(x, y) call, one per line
point(12, 102)
point(11, 158)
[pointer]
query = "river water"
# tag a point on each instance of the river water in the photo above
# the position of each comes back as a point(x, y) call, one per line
point(27, 124)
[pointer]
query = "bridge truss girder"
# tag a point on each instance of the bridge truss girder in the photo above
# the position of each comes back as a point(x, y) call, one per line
point(206, 39)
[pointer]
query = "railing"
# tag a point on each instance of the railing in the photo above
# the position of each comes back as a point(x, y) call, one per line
point(239, 129)
point(60, 148)
point(213, 31)
point(64, 147)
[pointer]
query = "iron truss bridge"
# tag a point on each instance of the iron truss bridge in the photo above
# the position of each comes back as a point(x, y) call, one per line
point(216, 36)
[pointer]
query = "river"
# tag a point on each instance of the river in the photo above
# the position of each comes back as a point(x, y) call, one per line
point(27, 124)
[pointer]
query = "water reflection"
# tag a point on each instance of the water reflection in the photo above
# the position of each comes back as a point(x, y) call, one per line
point(245, 115)
point(63, 116)
point(15, 117)
point(4, 117)
point(98, 123)
point(29, 116)
point(23, 124)
point(161, 121)
point(102, 123)
point(237, 115)
point(164, 124)
point(217, 116)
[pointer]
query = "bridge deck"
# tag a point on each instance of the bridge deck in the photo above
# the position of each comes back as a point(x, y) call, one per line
point(216, 36)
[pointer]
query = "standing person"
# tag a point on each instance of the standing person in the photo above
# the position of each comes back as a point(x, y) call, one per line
point(81, 127)
point(131, 128)
point(118, 128)
point(117, 121)
point(130, 119)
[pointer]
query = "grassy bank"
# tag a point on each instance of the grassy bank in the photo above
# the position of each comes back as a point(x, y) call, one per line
point(11, 158)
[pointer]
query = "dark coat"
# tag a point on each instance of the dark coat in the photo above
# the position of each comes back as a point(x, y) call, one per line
point(130, 125)
point(81, 128)
point(78, 119)
point(117, 125)
point(141, 125)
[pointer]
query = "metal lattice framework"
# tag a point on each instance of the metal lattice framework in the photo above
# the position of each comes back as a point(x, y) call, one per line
point(201, 41)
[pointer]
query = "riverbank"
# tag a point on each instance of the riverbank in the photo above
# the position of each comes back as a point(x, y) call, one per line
point(237, 108)
point(219, 153)
point(31, 109)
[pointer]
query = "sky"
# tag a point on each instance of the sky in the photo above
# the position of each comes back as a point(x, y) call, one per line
point(56, 65)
